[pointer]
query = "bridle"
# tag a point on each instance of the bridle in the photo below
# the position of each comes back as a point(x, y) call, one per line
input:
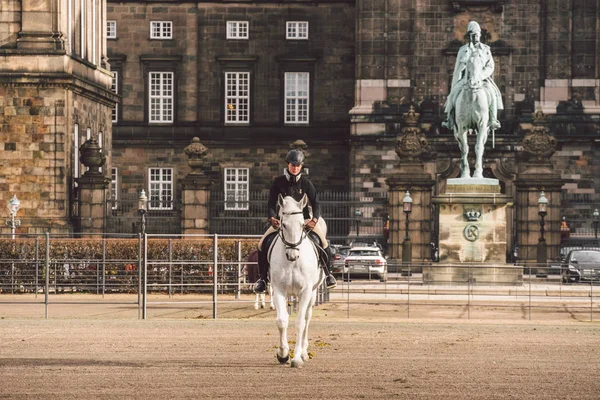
point(290, 245)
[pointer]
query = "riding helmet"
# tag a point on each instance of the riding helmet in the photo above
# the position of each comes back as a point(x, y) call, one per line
point(296, 157)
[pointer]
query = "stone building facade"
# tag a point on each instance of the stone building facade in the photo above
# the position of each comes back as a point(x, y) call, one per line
point(54, 94)
point(249, 78)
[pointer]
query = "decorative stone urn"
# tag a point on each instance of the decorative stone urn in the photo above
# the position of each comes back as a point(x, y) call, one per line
point(92, 156)
point(195, 152)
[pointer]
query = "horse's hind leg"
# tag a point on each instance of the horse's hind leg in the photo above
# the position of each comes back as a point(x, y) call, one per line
point(283, 350)
point(482, 134)
point(272, 305)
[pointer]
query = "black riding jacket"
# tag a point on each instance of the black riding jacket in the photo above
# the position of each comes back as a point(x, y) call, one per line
point(295, 186)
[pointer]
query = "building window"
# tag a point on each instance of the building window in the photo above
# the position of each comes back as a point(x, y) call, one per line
point(161, 30)
point(161, 97)
point(296, 30)
point(114, 192)
point(114, 86)
point(161, 189)
point(236, 188)
point(296, 97)
point(111, 29)
point(237, 97)
point(76, 162)
point(237, 29)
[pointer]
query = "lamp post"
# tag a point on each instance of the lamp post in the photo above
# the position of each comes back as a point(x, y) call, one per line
point(143, 209)
point(13, 206)
point(357, 216)
point(596, 215)
point(407, 245)
point(143, 274)
point(541, 247)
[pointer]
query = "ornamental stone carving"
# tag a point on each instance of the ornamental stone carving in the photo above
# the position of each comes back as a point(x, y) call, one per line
point(92, 157)
point(412, 144)
point(195, 152)
point(537, 142)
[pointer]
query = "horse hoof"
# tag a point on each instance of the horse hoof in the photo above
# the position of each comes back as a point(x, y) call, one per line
point(297, 363)
point(262, 306)
point(272, 307)
point(283, 360)
point(256, 307)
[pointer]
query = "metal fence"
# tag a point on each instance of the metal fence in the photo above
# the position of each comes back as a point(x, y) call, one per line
point(350, 216)
point(40, 271)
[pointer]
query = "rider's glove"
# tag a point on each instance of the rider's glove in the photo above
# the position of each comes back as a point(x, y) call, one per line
point(310, 225)
point(274, 222)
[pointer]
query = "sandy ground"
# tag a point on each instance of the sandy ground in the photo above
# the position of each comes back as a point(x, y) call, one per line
point(90, 353)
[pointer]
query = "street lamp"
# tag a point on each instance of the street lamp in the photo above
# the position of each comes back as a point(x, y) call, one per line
point(541, 247)
point(357, 216)
point(596, 214)
point(13, 206)
point(143, 209)
point(407, 245)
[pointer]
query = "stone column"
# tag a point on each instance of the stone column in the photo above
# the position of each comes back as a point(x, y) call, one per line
point(196, 191)
point(411, 146)
point(92, 189)
point(40, 26)
point(536, 175)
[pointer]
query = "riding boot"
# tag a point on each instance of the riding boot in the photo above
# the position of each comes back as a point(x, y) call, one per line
point(330, 281)
point(263, 268)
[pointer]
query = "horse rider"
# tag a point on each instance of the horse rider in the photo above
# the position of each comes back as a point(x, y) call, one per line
point(459, 79)
point(293, 183)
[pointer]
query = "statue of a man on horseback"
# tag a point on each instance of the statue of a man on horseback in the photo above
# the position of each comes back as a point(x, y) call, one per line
point(293, 183)
point(474, 98)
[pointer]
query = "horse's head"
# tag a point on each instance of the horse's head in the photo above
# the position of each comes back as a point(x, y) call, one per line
point(475, 71)
point(292, 224)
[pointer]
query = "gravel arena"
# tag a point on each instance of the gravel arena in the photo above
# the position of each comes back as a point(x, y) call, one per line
point(97, 356)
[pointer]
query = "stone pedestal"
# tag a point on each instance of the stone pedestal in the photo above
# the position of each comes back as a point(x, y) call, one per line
point(412, 178)
point(92, 202)
point(473, 234)
point(196, 202)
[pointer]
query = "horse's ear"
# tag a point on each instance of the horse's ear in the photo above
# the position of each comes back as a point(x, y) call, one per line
point(303, 201)
point(280, 200)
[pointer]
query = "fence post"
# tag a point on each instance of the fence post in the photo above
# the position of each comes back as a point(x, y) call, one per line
point(139, 291)
point(47, 289)
point(238, 293)
point(145, 277)
point(215, 272)
point(103, 266)
point(37, 264)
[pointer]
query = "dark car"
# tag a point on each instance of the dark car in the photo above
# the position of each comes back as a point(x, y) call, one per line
point(581, 265)
point(339, 257)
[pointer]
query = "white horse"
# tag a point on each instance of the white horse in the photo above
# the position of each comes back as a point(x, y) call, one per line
point(472, 113)
point(294, 271)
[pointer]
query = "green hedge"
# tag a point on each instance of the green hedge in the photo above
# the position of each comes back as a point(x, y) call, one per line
point(125, 249)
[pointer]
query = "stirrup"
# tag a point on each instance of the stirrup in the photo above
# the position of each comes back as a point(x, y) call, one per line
point(260, 286)
point(329, 284)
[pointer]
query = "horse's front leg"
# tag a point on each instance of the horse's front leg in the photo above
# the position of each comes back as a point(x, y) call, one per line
point(272, 305)
point(304, 313)
point(482, 134)
point(463, 145)
point(283, 351)
point(308, 318)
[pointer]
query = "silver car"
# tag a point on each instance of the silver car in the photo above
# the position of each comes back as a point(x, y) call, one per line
point(366, 261)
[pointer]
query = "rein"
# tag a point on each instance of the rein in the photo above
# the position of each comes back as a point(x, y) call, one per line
point(290, 245)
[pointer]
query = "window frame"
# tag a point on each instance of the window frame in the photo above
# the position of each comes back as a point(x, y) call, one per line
point(161, 97)
point(237, 98)
point(296, 25)
point(162, 25)
point(110, 33)
point(159, 204)
point(237, 24)
point(297, 98)
point(114, 86)
point(241, 201)
point(114, 188)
